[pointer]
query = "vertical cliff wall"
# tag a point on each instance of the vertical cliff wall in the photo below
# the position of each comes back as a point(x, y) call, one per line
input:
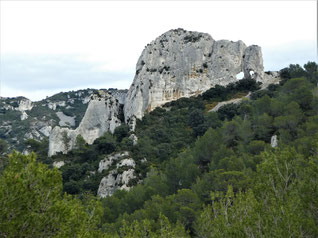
point(182, 63)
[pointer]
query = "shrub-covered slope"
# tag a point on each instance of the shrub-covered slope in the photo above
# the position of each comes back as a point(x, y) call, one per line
point(209, 174)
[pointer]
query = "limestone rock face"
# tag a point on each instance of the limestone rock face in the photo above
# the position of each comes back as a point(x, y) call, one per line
point(25, 105)
point(274, 141)
point(116, 180)
point(46, 130)
point(134, 139)
point(24, 116)
point(102, 115)
point(120, 95)
point(65, 120)
point(271, 77)
point(107, 186)
point(58, 164)
point(108, 161)
point(53, 105)
point(182, 63)
point(61, 140)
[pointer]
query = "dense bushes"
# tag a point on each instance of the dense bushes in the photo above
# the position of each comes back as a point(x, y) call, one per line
point(279, 198)
point(227, 155)
point(221, 93)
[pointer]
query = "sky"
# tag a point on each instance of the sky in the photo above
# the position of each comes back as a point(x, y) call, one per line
point(51, 46)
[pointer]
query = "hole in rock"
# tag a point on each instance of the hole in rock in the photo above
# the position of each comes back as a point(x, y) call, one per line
point(251, 73)
point(240, 76)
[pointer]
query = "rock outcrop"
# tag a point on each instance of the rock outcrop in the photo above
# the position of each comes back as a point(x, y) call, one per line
point(25, 105)
point(58, 164)
point(102, 115)
point(134, 139)
point(271, 77)
point(274, 141)
point(182, 63)
point(109, 160)
point(117, 178)
point(65, 109)
point(65, 120)
point(24, 116)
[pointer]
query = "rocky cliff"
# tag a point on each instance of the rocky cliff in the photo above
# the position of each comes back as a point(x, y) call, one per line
point(183, 63)
point(177, 64)
point(102, 115)
point(21, 119)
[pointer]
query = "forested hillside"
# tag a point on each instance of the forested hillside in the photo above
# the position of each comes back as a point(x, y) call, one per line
point(200, 173)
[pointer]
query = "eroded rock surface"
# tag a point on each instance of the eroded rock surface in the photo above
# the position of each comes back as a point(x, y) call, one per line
point(109, 160)
point(24, 116)
point(270, 77)
point(116, 178)
point(182, 63)
point(58, 164)
point(102, 115)
point(65, 120)
point(134, 139)
point(274, 141)
point(25, 105)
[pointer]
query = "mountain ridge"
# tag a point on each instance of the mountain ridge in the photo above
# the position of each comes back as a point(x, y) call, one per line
point(176, 64)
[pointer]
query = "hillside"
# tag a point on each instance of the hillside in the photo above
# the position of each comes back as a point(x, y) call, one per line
point(190, 162)
point(198, 167)
point(184, 152)
point(175, 65)
point(22, 119)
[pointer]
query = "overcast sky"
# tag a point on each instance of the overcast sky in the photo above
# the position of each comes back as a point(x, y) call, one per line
point(53, 46)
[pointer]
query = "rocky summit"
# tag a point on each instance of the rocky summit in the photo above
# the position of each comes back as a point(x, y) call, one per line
point(182, 63)
point(177, 64)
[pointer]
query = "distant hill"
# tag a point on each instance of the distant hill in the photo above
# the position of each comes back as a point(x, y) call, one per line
point(21, 119)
